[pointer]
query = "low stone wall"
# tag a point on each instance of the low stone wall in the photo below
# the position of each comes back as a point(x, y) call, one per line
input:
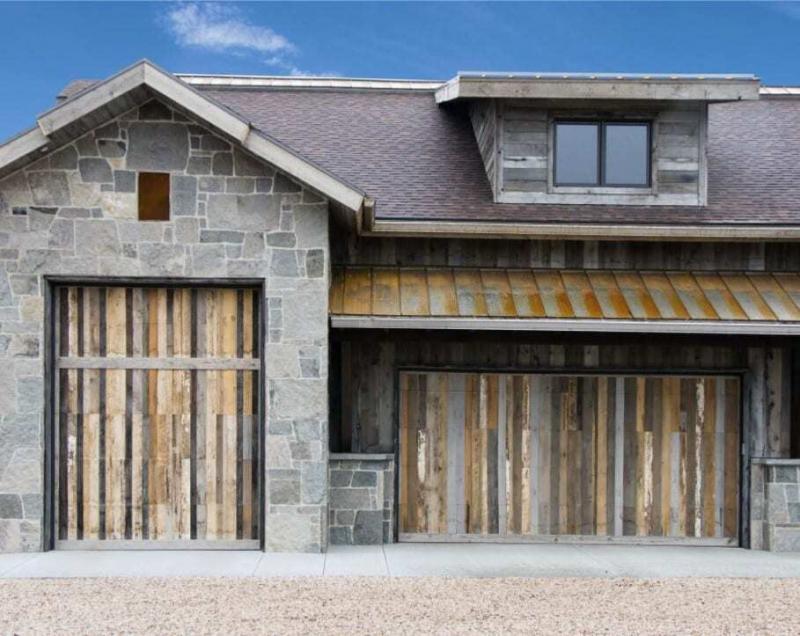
point(775, 504)
point(361, 498)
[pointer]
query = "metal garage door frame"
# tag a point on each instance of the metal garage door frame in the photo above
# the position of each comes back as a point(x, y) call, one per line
point(741, 374)
point(50, 436)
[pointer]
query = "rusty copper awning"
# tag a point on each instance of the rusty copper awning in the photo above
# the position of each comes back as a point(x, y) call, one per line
point(570, 297)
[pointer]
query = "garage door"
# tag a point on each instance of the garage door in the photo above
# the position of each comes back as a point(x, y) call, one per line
point(555, 457)
point(158, 402)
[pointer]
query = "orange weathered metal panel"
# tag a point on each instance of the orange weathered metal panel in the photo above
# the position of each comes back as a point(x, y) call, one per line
point(469, 291)
point(590, 294)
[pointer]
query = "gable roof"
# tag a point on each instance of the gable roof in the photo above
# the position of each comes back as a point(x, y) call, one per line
point(95, 103)
point(414, 168)
point(420, 163)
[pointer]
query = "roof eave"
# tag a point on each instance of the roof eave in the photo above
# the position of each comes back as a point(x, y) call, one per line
point(717, 89)
point(579, 231)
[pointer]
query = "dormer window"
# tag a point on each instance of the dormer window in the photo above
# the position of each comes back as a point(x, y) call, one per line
point(605, 154)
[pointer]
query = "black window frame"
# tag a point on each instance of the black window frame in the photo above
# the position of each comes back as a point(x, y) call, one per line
point(601, 125)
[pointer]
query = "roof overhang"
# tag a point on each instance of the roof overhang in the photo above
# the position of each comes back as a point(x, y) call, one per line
point(554, 86)
point(376, 226)
point(613, 301)
point(107, 99)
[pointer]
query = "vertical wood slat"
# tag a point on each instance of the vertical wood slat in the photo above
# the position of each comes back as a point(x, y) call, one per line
point(131, 466)
point(549, 454)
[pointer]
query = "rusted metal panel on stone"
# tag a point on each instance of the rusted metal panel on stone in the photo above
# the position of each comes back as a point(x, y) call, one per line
point(563, 294)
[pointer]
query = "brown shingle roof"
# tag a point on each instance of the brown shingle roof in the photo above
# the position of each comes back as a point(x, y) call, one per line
point(420, 161)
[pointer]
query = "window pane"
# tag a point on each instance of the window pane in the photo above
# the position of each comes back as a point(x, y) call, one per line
point(576, 154)
point(627, 154)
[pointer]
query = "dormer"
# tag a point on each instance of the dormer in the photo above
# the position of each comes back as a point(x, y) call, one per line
point(595, 139)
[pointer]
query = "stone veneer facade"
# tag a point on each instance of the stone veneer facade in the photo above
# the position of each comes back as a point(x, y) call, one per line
point(775, 505)
point(74, 213)
point(361, 507)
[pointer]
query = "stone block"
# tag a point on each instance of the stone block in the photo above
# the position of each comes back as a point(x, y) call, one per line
point(341, 535)
point(213, 143)
point(293, 532)
point(281, 239)
point(162, 260)
point(86, 146)
point(95, 170)
point(30, 395)
point(280, 427)
point(284, 264)
point(284, 491)
point(64, 159)
point(785, 539)
point(211, 184)
point(295, 399)
point(24, 284)
point(794, 513)
point(350, 498)
point(110, 148)
point(10, 507)
point(32, 506)
point(314, 483)
point(363, 478)
point(786, 474)
point(315, 263)
point(257, 212)
point(308, 429)
point(49, 188)
point(157, 146)
point(340, 478)
point(98, 236)
point(248, 166)
point(345, 517)
point(124, 181)
point(199, 165)
point(311, 225)
point(283, 184)
point(222, 164)
point(221, 236)
point(253, 245)
point(239, 185)
point(23, 473)
point(368, 527)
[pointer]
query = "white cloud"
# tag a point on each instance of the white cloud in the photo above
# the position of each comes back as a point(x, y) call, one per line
point(223, 28)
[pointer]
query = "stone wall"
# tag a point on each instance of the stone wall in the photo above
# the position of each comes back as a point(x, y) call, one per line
point(74, 213)
point(775, 505)
point(361, 501)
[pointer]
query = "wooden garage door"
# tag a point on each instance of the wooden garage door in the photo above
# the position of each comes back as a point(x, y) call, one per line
point(494, 457)
point(157, 422)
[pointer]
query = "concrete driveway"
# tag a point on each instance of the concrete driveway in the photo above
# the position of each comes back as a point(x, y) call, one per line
point(400, 560)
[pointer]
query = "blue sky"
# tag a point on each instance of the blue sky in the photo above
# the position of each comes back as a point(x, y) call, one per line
point(45, 45)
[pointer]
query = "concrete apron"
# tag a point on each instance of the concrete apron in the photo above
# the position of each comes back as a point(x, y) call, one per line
point(451, 560)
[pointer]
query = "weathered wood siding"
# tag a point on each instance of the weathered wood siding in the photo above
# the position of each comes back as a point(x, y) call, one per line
point(517, 137)
point(369, 363)
point(483, 115)
point(534, 454)
point(691, 256)
point(157, 426)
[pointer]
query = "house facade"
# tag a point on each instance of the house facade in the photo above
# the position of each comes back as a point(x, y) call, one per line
point(279, 313)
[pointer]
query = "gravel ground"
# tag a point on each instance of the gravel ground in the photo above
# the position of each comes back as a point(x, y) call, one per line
point(402, 606)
